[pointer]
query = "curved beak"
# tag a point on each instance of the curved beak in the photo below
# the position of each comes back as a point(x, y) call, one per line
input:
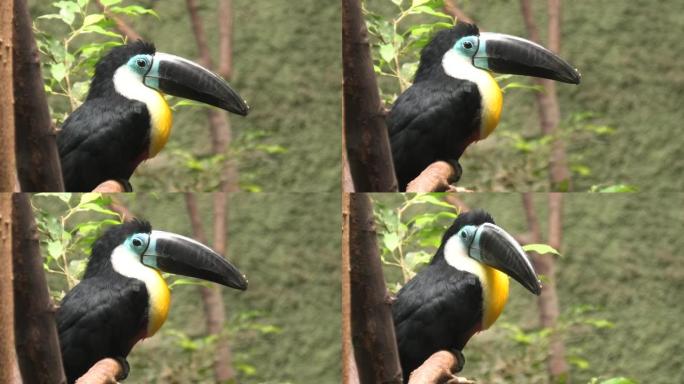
point(181, 255)
point(181, 77)
point(513, 55)
point(498, 249)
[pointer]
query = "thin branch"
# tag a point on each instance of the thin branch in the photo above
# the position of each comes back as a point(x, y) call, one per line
point(455, 11)
point(8, 164)
point(7, 350)
point(225, 19)
point(121, 25)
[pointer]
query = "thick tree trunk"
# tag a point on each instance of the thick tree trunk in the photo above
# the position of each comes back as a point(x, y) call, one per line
point(350, 375)
point(368, 148)
point(36, 337)
point(8, 166)
point(38, 165)
point(373, 337)
point(7, 355)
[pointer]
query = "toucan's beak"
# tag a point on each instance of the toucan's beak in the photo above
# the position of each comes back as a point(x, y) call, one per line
point(495, 247)
point(513, 55)
point(183, 78)
point(184, 256)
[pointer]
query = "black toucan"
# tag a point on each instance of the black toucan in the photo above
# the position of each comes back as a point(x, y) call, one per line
point(125, 118)
point(454, 100)
point(462, 291)
point(123, 297)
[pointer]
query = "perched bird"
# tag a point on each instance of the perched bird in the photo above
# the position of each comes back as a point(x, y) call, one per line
point(125, 118)
point(454, 100)
point(461, 292)
point(123, 297)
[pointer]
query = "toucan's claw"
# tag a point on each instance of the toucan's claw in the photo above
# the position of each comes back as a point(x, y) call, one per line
point(460, 358)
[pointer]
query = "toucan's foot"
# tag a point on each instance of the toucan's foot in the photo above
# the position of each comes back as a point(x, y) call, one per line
point(458, 170)
point(127, 185)
point(460, 357)
point(125, 368)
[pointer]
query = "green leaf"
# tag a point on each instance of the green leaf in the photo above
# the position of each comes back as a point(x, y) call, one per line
point(67, 10)
point(92, 19)
point(579, 362)
point(184, 281)
point(540, 249)
point(387, 52)
point(133, 10)
point(88, 197)
point(54, 249)
point(431, 199)
point(618, 188)
point(391, 241)
point(94, 28)
point(415, 259)
point(95, 208)
point(58, 71)
point(618, 380)
point(600, 323)
point(108, 3)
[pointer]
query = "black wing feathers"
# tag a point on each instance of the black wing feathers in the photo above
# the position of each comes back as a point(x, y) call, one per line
point(98, 319)
point(432, 121)
point(435, 311)
point(101, 140)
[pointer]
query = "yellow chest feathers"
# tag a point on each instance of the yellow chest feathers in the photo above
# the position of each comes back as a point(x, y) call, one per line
point(161, 121)
point(494, 282)
point(159, 302)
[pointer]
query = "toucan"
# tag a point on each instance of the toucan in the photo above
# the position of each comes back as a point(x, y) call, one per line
point(125, 118)
point(461, 292)
point(454, 100)
point(123, 298)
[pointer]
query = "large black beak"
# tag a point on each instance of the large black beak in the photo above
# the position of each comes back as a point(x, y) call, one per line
point(495, 247)
point(181, 255)
point(183, 78)
point(513, 55)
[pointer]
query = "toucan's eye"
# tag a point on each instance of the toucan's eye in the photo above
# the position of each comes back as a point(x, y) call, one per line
point(137, 242)
point(141, 63)
point(467, 44)
point(464, 235)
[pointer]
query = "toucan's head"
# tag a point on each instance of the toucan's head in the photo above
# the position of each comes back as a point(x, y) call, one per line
point(475, 237)
point(133, 64)
point(465, 45)
point(134, 245)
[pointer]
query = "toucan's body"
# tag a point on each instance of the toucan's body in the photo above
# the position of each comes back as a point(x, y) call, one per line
point(461, 292)
point(123, 297)
point(454, 100)
point(125, 118)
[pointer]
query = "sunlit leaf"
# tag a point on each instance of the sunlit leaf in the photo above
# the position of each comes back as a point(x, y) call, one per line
point(540, 249)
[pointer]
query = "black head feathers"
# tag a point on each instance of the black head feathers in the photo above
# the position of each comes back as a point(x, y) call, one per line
point(431, 55)
point(474, 217)
point(109, 63)
point(110, 239)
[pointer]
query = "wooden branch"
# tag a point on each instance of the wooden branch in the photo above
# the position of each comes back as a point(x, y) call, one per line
point(8, 164)
point(350, 374)
point(437, 177)
point(36, 337)
point(121, 25)
point(198, 32)
point(368, 147)
point(38, 165)
point(373, 337)
point(110, 186)
point(225, 20)
point(438, 369)
point(105, 371)
point(211, 297)
point(547, 101)
point(7, 354)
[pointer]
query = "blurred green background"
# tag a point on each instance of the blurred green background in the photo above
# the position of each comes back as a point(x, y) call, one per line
point(285, 328)
point(286, 61)
point(621, 264)
point(631, 83)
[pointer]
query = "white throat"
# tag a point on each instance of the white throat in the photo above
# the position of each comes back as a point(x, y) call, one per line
point(130, 85)
point(127, 263)
point(456, 255)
